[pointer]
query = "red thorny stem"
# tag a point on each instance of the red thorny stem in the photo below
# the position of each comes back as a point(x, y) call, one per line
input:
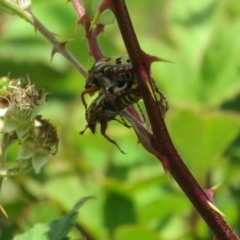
point(91, 34)
point(161, 140)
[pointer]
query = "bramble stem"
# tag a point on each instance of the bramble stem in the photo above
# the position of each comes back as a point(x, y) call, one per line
point(60, 48)
point(78, 8)
point(161, 140)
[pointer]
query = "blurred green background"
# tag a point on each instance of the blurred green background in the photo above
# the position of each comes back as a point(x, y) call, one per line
point(135, 198)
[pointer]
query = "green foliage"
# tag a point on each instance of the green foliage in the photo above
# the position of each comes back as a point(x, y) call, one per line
point(55, 230)
point(208, 136)
point(128, 233)
point(91, 7)
point(135, 198)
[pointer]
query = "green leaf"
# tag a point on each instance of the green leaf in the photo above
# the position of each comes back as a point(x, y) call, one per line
point(36, 233)
point(135, 232)
point(91, 6)
point(220, 71)
point(202, 138)
point(206, 53)
point(55, 230)
point(60, 228)
point(106, 17)
point(175, 206)
point(118, 210)
point(39, 159)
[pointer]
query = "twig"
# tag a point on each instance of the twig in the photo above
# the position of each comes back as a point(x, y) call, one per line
point(91, 34)
point(58, 46)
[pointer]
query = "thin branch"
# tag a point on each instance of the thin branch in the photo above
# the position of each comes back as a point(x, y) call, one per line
point(91, 34)
point(78, 8)
point(60, 47)
point(161, 140)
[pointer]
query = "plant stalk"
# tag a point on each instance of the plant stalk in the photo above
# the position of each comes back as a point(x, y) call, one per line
point(161, 139)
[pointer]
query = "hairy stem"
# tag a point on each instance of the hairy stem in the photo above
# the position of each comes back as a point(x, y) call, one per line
point(91, 34)
point(58, 46)
point(78, 8)
point(161, 140)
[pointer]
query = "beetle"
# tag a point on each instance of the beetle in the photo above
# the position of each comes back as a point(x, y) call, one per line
point(113, 72)
point(107, 73)
point(102, 110)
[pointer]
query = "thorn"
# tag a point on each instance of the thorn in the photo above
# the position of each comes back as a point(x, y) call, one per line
point(99, 29)
point(3, 211)
point(165, 163)
point(215, 208)
point(159, 59)
point(55, 34)
point(81, 20)
point(54, 50)
point(211, 191)
point(94, 20)
point(106, 4)
point(149, 59)
point(208, 202)
point(63, 44)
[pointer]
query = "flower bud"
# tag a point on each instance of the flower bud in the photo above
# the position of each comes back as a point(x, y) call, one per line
point(40, 143)
point(24, 105)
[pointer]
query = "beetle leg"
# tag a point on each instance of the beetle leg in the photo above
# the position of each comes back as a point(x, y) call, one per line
point(140, 110)
point(123, 123)
point(83, 131)
point(89, 91)
point(108, 97)
point(163, 101)
point(103, 132)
